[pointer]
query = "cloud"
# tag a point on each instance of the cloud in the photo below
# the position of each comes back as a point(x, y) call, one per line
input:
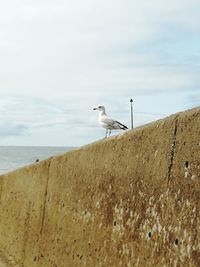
point(194, 99)
point(57, 48)
point(20, 115)
point(12, 129)
point(25, 115)
point(59, 59)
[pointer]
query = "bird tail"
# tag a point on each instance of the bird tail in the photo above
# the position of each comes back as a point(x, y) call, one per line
point(122, 126)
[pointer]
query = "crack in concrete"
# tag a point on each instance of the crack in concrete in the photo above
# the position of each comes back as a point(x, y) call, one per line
point(1, 187)
point(45, 200)
point(27, 225)
point(172, 150)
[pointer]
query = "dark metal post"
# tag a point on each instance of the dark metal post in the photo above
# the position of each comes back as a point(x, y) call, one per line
point(131, 101)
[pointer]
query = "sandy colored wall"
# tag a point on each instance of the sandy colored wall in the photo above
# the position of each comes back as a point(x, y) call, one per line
point(130, 200)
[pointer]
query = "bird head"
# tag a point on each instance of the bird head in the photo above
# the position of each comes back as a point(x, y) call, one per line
point(99, 108)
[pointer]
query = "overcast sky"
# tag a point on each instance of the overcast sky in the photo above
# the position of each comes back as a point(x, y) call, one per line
point(61, 58)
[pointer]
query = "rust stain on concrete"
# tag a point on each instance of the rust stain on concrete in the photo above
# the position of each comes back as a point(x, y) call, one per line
point(130, 200)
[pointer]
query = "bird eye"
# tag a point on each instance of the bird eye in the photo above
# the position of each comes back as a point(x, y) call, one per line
point(99, 107)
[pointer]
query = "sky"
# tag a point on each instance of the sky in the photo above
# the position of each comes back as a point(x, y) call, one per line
point(62, 58)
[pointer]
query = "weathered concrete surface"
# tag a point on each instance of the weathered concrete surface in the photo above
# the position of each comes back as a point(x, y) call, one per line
point(131, 200)
point(5, 261)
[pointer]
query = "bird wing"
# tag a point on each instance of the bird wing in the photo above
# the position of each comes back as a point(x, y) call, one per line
point(122, 126)
point(107, 120)
point(112, 123)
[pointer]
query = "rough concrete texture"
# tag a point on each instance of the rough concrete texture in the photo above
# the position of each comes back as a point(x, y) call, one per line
point(6, 261)
point(130, 200)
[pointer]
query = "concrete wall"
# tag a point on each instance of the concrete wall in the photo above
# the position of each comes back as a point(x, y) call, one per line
point(130, 200)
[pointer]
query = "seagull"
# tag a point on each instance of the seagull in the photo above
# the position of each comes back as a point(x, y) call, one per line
point(107, 122)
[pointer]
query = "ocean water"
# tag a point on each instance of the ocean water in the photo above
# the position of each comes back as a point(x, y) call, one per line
point(13, 157)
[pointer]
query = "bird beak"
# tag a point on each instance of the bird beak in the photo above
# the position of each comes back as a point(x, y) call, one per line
point(94, 108)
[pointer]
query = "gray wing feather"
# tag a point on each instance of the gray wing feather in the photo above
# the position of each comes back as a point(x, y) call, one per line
point(113, 123)
point(108, 121)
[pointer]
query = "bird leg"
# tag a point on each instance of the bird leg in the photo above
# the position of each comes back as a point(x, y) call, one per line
point(106, 133)
point(109, 132)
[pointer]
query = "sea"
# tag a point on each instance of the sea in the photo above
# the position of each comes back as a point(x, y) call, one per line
point(14, 157)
